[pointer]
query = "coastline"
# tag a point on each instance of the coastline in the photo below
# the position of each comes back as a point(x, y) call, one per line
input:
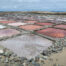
point(34, 12)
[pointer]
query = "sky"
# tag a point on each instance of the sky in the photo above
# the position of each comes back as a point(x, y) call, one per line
point(32, 5)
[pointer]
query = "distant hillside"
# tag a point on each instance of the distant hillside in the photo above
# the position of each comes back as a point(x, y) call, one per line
point(34, 12)
point(50, 13)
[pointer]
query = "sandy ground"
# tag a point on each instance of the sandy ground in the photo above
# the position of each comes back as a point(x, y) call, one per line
point(58, 59)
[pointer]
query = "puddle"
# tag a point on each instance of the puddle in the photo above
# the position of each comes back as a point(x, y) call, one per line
point(55, 33)
point(27, 45)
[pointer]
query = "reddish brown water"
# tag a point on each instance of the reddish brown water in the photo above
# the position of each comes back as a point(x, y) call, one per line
point(30, 27)
point(56, 33)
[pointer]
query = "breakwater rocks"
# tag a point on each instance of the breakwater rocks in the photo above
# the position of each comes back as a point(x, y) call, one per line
point(56, 47)
point(8, 58)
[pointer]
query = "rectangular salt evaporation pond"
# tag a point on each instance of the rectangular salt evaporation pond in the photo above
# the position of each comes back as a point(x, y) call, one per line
point(61, 26)
point(2, 26)
point(52, 32)
point(8, 33)
point(27, 45)
point(30, 22)
point(16, 24)
point(5, 22)
point(30, 27)
point(44, 24)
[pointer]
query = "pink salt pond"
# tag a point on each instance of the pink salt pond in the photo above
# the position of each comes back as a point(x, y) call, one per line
point(61, 26)
point(27, 45)
point(44, 24)
point(16, 24)
point(30, 27)
point(5, 22)
point(31, 22)
point(8, 33)
point(55, 33)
